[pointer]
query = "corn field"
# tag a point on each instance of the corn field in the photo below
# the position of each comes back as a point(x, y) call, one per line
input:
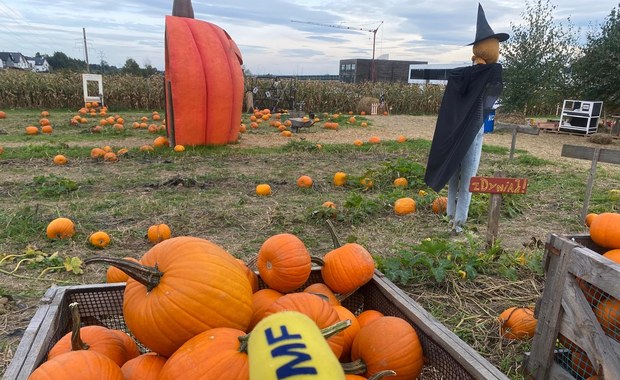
point(23, 89)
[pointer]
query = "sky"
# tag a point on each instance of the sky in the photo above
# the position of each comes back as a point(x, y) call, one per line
point(279, 37)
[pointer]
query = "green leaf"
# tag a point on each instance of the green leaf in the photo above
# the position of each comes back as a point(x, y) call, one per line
point(73, 264)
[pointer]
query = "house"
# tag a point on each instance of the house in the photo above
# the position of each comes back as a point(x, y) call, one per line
point(38, 64)
point(384, 70)
point(14, 60)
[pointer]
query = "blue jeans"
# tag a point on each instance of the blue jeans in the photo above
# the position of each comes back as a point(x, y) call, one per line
point(459, 196)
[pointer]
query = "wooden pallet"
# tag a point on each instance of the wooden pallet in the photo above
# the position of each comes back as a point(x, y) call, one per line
point(570, 341)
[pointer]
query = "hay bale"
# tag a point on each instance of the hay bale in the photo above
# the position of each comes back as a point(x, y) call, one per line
point(365, 104)
point(601, 138)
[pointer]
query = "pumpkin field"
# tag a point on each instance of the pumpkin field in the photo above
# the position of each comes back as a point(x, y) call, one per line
point(114, 175)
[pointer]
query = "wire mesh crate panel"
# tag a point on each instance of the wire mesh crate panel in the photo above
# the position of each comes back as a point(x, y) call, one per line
point(102, 304)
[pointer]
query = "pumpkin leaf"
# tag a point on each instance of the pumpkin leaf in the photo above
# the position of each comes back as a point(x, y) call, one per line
point(73, 264)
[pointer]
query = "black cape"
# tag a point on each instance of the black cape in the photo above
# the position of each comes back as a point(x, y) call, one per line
point(467, 101)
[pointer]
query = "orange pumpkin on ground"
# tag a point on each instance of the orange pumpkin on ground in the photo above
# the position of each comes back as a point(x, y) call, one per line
point(99, 239)
point(263, 189)
point(340, 179)
point(59, 159)
point(116, 275)
point(60, 228)
point(304, 181)
point(517, 323)
point(401, 182)
point(404, 206)
point(158, 233)
point(439, 205)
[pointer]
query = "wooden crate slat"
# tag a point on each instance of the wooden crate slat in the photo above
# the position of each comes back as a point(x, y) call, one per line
point(597, 270)
point(463, 353)
point(556, 372)
point(549, 311)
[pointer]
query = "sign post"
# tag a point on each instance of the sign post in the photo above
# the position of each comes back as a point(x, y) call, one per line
point(595, 155)
point(496, 186)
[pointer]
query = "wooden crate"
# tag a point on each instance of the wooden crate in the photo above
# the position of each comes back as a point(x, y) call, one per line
point(446, 355)
point(570, 342)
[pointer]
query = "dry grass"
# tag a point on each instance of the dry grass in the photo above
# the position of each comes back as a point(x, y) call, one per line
point(210, 193)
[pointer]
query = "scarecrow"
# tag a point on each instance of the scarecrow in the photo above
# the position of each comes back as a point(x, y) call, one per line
point(457, 142)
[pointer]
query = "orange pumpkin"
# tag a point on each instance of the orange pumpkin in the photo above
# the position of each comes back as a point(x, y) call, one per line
point(114, 274)
point(439, 205)
point(323, 290)
point(250, 274)
point(404, 206)
point(284, 262)
point(346, 268)
point(315, 307)
point(90, 365)
point(47, 129)
point(2, 115)
point(517, 323)
point(401, 182)
point(144, 367)
point(340, 179)
point(99, 239)
point(261, 301)
point(204, 80)
point(589, 218)
point(213, 354)
point(59, 159)
point(263, 189)
point(114, 344)
point(182, 287)
point(60, 228)
point(368, 316)
point(374, 140)
point(158, 233)
point(389, 343)
point(605, 230)
point(32, 130)
point(304, 181)
point(608, 314)
point(349, 333)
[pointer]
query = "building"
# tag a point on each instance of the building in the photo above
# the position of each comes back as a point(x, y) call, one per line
point(38, 64)
point(14, 60)
point(386, 70)
point(431, 73)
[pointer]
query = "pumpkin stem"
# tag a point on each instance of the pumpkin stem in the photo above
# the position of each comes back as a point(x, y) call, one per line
point(332, 232)
point(147, 276)
point(243, 343)
point(356, 367)
point(336, 328)
point(183, 8)
point(317, 260)
point(76, 339)
point(382, 374)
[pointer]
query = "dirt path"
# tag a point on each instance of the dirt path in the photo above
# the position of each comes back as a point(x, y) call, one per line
point(545, 145)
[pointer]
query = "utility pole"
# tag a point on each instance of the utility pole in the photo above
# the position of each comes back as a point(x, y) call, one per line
point(374, 38)
point(86, 50)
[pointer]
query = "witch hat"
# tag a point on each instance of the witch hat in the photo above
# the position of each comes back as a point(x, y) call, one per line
point(484, 31)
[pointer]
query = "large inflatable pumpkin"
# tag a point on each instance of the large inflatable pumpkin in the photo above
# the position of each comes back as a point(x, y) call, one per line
point(203, 80)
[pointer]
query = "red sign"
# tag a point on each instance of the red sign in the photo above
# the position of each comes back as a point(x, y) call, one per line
point(498, 185)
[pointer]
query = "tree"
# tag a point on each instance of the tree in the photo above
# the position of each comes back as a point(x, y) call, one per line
point(61, 62)
point(595, 74)
point(131, 67)
point(537, 59)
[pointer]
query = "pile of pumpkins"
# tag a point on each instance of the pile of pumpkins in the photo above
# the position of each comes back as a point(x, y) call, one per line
point(194, 306)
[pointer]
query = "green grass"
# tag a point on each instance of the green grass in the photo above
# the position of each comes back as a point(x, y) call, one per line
point(209, 192)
